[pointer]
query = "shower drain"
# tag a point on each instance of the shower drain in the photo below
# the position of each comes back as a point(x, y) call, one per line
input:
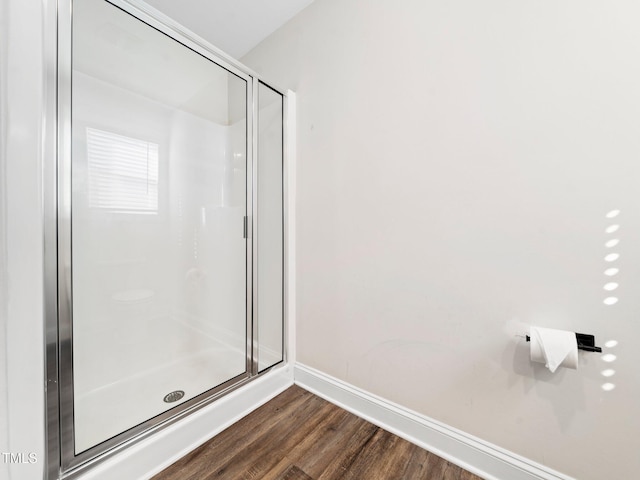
point(173, 396)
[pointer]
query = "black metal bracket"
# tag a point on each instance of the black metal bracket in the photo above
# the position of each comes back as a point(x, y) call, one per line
point(585, 341)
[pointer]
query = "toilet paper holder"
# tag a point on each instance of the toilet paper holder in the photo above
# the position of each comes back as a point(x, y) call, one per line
point(585, 341)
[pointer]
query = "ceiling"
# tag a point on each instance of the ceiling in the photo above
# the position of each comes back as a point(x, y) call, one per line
point(234, 26)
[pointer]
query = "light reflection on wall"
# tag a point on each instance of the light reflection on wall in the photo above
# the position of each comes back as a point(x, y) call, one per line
point(609, 301)
point(609, 372)
point(611, 257)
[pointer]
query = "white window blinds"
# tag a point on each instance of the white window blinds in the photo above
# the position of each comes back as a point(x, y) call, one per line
point(123, 173)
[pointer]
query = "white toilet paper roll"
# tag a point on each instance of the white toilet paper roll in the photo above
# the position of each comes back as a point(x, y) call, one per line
point(554, 348)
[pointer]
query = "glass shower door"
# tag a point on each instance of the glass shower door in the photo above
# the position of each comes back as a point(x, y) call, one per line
point(157, 204)
point(269, 265)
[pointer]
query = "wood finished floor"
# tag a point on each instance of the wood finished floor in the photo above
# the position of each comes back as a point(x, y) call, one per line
point(299, 436)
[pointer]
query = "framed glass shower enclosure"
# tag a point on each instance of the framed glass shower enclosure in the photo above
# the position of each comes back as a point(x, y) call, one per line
point(169, 229)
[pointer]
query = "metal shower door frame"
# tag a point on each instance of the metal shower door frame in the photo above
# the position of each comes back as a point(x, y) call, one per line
point(61, 461)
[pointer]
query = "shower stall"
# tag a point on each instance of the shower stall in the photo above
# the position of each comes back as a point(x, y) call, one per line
point(169, 228)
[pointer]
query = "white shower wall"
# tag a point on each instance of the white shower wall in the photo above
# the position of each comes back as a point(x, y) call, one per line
point(210, 235)
point(155, 292)
point(126, 246)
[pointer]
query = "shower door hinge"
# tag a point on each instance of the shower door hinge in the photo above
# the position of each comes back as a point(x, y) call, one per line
point(245, 227)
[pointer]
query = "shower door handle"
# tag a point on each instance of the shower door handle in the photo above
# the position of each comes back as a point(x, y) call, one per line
point(245, 227)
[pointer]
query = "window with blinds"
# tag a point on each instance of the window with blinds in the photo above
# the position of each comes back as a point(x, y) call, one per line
point(123, 173)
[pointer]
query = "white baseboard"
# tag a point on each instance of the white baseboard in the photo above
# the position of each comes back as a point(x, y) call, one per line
point(155, 453)
point(477, 456)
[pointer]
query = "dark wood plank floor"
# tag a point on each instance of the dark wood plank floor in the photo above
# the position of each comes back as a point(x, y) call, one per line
point(299, 436)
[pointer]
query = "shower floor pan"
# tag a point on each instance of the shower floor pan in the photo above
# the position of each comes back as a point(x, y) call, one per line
point(110, 409)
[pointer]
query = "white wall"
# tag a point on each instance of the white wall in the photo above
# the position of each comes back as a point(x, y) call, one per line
point(21, 246)
point(4, 438)
point(455, 164)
